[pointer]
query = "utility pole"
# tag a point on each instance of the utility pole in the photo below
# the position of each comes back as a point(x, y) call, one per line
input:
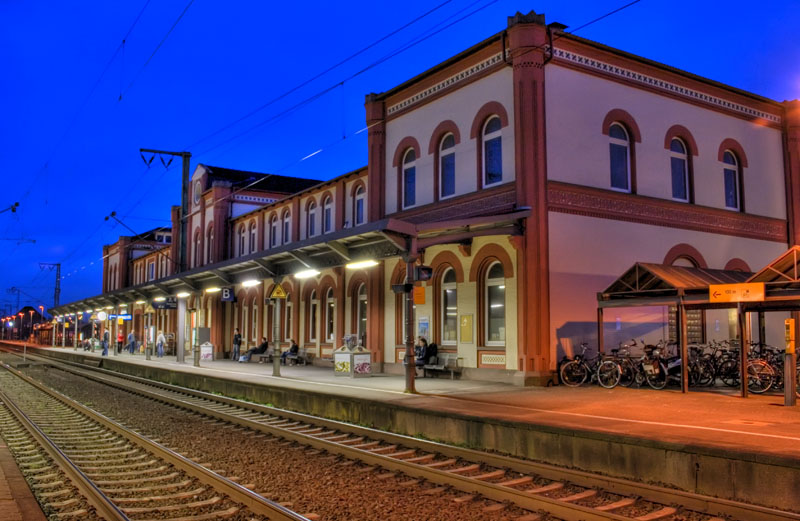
point(57, 267)
point(13, 290)
point(182, 225)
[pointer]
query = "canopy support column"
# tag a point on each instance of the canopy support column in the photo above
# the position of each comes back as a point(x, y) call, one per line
point(601, 345)
point(744, 340)
point(683, 343)
point(762, 328)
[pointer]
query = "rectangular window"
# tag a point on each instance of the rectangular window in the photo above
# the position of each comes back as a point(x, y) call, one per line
point(731, 189)
point(254, 332)
point(619, 167)
point(449, 175)
point(151, 271)
point(409, 187)
point(496, 316)
point(312, 322)
point(679, 188)
point(287, 331)
point(328, 218)
point(492, 154)
point(360, 210)
point(362, 320)
point(286, 229)
point(329, 320)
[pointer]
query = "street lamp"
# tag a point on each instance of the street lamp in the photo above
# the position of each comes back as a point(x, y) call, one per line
point(19, 329)
point(30, 329)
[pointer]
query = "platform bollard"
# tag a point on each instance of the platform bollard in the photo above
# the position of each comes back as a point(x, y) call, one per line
point(147, 352)
point(196, 353)
point(789, 379)
point(24, 351)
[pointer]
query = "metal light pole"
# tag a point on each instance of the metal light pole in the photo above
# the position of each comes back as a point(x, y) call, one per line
point(411, 367)
point(276, 333)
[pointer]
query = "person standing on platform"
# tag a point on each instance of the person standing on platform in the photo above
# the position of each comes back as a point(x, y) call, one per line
point(237, 343)
point(106, 339)
point(131, 342)
point(119, 342)
point(160, 341)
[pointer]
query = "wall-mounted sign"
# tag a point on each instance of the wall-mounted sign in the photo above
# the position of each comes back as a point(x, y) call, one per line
point(745, 292)
point(227, 295)
point(419, 295)
point(169, 303)
point(277, 292)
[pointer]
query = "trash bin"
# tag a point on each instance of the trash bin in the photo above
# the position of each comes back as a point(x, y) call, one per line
point(351, 359)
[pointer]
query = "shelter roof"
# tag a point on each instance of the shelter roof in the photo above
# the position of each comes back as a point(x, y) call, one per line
point(783, 270)
point(659, 279)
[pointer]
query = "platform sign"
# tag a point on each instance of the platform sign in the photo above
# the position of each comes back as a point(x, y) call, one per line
point(419, 295)
point(227, 295)
point(277, 292)
point(744, 292)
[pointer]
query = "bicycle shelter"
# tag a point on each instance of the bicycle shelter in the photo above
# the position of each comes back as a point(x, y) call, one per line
point(646, 284)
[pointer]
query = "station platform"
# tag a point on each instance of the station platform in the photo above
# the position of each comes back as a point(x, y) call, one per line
point(17, 502)
point(705, 442)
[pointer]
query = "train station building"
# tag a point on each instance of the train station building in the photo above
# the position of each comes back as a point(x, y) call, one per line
point(529, 172)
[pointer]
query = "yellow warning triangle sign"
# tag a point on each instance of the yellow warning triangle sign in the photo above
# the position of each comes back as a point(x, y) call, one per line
point(277, 292)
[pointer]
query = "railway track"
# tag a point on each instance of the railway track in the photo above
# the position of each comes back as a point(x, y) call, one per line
point(86, 466)
point(563, 493)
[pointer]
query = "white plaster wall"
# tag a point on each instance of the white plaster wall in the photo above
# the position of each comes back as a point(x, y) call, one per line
point(460, 106)
point(587, 254)
point(577, 151)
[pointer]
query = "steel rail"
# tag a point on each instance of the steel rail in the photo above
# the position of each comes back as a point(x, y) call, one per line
point(257, 504)
point(93, 495)
point(706, 504)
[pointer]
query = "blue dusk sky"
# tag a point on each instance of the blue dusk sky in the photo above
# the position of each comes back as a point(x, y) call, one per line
point(76, 105)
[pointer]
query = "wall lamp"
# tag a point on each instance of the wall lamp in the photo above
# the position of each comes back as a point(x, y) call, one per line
point(306, 274)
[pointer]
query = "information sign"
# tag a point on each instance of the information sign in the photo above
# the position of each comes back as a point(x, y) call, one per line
point(419, 295)
point(277, 292)
point(227, 295)
point(744, 292)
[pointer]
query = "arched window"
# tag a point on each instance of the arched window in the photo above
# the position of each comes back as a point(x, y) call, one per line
point(679, 165)
point(360, 206)
point(619, 150)
point(252, 236)
point(492, 152)
point(197, 250)
point(274, 230)
point(361, 313)
point(330, 315)
point(287, 227)
point(327, 215)
point(210, 245)
point(254, 330)
point(495, 311)
point(409, 169)
point(447, 166)
point(311, 222)
point(734, 198)
point(287, 318)
point(449, 308)
point(312, 316)
point(241, 239)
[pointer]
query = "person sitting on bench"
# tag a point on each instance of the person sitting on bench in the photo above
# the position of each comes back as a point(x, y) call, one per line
point(260, 350)
point(423, 352)
point(293, 350)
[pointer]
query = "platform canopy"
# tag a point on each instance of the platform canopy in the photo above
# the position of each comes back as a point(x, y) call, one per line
point(647, 284)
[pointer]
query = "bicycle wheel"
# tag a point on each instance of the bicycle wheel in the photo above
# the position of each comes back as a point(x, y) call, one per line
point(658, 378)
point(573, 373)
point(608, 374)
point(729, 372)
point(703, 372)
point(627, 373)
point(760, 376)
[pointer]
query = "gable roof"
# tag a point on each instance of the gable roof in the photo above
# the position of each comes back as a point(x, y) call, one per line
point(257, 180)
point(784, 269)
point(657, 279)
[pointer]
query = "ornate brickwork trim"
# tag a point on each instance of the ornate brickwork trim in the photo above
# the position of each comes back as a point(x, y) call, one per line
point(606, 204)
point(449, 82)
point(664, 85)
point(253, 199)
point(492, 359)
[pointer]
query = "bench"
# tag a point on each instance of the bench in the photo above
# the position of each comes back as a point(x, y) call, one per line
point(262, 358)
point(302, 357)
point(444, 363)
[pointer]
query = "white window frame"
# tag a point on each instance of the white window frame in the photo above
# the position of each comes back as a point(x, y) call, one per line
point(627, 144)
point(287, 318)
point(448, 286)
point(209, 245)
point(311, 220)
point(683, 157)
point(274, 231)
point(735, 168)
point(490, 283)
point(330, 316)
point(151, 270)
point(253, 244)
point(327, 215)
point(404, 168)
point(445, 152)
point(361, 197)
point(242, 239)
point(313, 316)
point(359, 298)
point(287, 227)
point(488, 137)
point(254, 321)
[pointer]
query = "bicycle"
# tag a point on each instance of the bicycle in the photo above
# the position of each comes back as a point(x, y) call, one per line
point(580, 369)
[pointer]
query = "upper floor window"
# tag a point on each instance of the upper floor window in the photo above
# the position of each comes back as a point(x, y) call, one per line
point(447, 166)
point(360, 202)
point(619, 149)
point(241, 239)
point(274, 229)
point(409, 178)
point(733, 181)
point(287, 227)
point(449, 308)
point(492, 152)
point(210, 245)
point(679, 165)
point(197, 250)
point(252, 237)
point(151, 271)
point(311, 224)
point(327, 215)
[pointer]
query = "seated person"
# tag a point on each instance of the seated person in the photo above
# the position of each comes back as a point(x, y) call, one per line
point(260, 350)
point(293, 350)
point(421, 352)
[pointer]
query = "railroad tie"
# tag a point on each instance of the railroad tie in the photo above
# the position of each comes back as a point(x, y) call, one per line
point(491, 475)
point(80, 513)
point(516, 482)
point(402, 454)
point(658, 514)
point(224, 514)
point(440, 464)
point(624, 502)
point(421, 459)
point(171, 508)
point(579, 496)
point(547, 488)
point(465, 469)
point(383, 450)
point(464, 499)
point(367, 445)
point(529, 517)
point(352, 441)
point(496, 507)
